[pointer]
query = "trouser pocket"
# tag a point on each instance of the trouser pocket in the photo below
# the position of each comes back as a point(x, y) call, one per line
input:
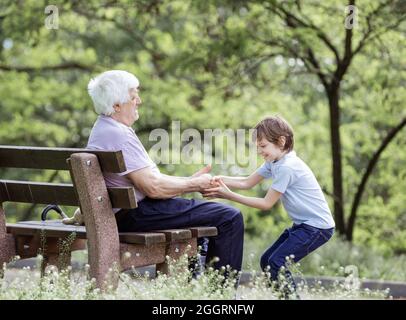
point(321, 238)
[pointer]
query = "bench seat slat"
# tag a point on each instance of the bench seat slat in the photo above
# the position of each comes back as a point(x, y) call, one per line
point(55, 228)
point(59, 193)
point(147, 238)
point(199, 232)
point(173, 235)
point(55, 158)
point(31, 228)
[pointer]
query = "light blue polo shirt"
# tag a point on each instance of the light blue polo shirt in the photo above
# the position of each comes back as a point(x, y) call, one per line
point(301, 197)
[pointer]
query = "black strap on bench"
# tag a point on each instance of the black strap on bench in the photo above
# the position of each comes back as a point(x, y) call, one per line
point(53, 207)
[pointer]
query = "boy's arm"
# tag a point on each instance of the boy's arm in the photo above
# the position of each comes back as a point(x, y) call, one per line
point(265, 203)
point(241, 183)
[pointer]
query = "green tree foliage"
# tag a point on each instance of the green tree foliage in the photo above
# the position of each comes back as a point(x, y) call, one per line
point(225, 64)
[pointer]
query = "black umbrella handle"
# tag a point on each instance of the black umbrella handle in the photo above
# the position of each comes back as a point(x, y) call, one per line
point(52, 207)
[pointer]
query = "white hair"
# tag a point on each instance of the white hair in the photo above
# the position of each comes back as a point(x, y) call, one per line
point(109, 88)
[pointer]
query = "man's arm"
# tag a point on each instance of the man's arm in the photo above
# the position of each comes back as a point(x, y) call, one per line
point(203, 170)
point(241, 183)
point(160, 186)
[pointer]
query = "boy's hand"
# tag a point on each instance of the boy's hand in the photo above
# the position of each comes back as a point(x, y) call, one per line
point(215, 180)
point(220, 191)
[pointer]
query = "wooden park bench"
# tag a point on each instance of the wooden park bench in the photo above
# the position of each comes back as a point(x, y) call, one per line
point(107, 248)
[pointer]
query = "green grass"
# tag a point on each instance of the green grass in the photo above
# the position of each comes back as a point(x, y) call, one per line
point(334, 258)
point(26, 283)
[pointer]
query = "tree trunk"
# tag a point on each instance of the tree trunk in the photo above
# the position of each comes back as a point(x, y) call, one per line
point(333, 99)
point(357, 199)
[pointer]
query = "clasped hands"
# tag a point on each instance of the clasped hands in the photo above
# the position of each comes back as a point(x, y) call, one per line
point(211, 186)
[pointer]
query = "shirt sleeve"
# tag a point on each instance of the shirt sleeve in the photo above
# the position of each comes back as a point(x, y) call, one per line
point(264, 170)
point(283, 179)
point(135, 156)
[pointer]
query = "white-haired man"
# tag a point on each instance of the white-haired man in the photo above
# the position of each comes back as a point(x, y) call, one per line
point(116, 99)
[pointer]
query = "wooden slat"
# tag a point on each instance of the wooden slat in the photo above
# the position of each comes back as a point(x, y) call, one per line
point(60, 194)
point(141, 255)
point(57, 223)
point(30, 228)
point(173, 235)
point(147, 238)
point(55, 228)
point(55, 158)
point(199, 232)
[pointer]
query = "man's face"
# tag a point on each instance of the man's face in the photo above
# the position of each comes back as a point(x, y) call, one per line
point(268, 150)
point(129, 110)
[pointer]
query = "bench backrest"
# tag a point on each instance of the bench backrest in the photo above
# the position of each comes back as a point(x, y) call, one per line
point(57, 159)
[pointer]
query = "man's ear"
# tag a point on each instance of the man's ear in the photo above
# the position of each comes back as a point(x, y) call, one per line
point(116, 107)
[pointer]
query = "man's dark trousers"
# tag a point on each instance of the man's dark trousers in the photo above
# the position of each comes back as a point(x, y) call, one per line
point(155, 214)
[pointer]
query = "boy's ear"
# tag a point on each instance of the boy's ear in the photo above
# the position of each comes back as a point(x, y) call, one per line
point(282, 141)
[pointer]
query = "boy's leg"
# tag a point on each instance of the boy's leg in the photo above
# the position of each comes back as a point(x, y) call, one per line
point(154, 214)
point(265, 256)
point(302, 240)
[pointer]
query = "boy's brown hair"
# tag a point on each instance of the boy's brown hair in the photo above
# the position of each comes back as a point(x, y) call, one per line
point(272, 128)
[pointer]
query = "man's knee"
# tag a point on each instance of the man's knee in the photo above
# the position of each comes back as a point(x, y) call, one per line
point(231, 222)
point(224, 216)
point(235, 215)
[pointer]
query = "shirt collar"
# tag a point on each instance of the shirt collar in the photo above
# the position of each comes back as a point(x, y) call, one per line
point(290, 154)
point(108, 118)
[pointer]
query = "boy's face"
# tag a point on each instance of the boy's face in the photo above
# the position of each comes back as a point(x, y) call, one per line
point(268, 150)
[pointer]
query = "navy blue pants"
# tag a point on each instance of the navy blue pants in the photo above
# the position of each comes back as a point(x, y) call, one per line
point(299, 241)
point(155, 214)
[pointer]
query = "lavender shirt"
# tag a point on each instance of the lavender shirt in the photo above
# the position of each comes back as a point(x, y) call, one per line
point(109, 134)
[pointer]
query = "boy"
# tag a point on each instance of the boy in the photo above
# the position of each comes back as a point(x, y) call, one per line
point(295, 184)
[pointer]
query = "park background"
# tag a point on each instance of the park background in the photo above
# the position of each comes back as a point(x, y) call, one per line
point(339, 80)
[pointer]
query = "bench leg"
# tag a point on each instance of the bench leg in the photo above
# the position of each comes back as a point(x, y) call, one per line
point(162, 268)
point(52, 255)
point(7, 246)
point(7, 251)
point(61, 262)
point(175, 250)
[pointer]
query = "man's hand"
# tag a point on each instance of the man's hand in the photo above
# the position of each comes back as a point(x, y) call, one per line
point(203, 170)
point(205, 181)
point(219, 191)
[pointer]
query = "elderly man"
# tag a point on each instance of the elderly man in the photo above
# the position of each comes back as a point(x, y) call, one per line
point(116, 99)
